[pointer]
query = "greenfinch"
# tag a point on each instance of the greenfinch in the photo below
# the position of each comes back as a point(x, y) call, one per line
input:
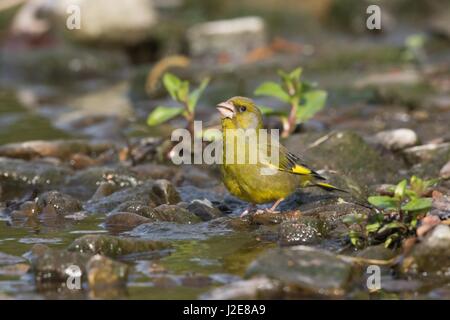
point(246, 179)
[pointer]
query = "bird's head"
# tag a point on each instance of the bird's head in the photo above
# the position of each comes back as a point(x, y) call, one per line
point(240, 113)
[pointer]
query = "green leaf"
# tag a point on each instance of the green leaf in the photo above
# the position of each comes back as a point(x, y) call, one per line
point(308, 86)
point(355, 238)
point(383, 202)
point(272, 89)
point(314, 102)
point(415, 41)
point(417, 204)
point(373, 227)
point(195, 95)
point(162, 114)
point(172, 84)
point(430, 183)
point(390, 239)
point(284, 76)
point(400, 189)
point(268, 111)
point(296, 74)
point(183, 91)
point(392, 225)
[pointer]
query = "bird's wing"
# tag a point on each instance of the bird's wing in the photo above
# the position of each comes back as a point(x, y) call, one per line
point(292, 163)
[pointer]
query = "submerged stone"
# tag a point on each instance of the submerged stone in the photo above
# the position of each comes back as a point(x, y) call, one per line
point(49, 265)
point(254, 289)
point(61, 203)
point(103, 272)
point(114, 246)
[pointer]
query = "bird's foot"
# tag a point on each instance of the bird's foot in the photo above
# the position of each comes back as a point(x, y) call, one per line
point(275, 205)
point(250, 210)
point(259, 211)
point(270, 210)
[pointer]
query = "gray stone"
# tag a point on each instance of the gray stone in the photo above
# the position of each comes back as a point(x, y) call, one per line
point(445, 171)
point(62, 204)
point(427, 152)
point(316, 271)
point(15, 173)
point(204, 210)
point(114, 246)
point(432, 254)
point(378, 252)
point(234, 37)
point(173, 213)
point(124, 221)
point(165, 192)
point(142, 193)
point(124, 23)
point(396, 139)
point(306, 230)
point(61, 149)
point(347, 154)
point(254, 289)
point(50, 265)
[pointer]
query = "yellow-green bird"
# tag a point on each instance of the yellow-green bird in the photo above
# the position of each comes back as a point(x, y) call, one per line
point(246, 179)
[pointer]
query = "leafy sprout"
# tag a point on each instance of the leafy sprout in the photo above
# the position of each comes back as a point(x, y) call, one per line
point(397, 216)
point(302, 97)
point(180, 92)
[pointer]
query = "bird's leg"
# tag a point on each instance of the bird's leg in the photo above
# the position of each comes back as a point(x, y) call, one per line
point(250, 208)
point(275, 205)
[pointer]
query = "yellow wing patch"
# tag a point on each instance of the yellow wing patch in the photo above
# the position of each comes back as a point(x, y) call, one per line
point(300, 169)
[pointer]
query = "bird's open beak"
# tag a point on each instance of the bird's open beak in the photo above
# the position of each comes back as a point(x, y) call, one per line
point(226, 109)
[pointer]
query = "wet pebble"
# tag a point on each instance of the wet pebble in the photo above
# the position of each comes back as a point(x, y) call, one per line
point(204, 210)
point(445, 171)
point(427, 152)
point(114, 246)
point(307, 230)
point(17, 174)
point(432, 254)
point(51, 265)
point(103, 272)
point(316, 271)
point(142, 193)
point(62, 204)
point(256, 288)
point(124, 221)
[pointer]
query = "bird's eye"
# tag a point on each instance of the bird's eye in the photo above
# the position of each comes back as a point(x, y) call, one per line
point(242, 109)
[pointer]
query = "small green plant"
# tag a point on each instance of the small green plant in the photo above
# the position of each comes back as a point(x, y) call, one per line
point(303, 98)
point(414, 48)
point(397, 216)
point(179, 91)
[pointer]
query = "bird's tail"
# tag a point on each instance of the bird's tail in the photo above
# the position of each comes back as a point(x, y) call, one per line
point(329, 187)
